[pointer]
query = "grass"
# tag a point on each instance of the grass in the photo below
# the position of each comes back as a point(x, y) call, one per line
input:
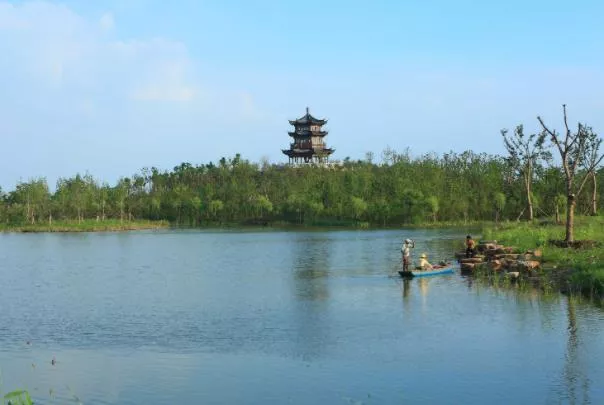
point(575, 270)
point(85, 226)
point(22, 397)
point(19, 397)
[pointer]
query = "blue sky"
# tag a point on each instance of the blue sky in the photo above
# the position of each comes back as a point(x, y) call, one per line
point(111, 86)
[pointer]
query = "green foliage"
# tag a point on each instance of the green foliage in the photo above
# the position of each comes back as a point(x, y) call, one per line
point(432, 206)
point(560, 202)
point(19, 397)
point(499, 201)
point(88, 225)
point(587, 264)
point(359, 207)
point(459, 188)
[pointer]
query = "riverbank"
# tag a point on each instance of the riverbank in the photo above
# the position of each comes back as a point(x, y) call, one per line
point(326, 224)
point(578, 270)
point(109, 225)
point(91, 225)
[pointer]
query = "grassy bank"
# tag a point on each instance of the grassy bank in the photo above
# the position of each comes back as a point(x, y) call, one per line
point(86, 226)
point(572, 269)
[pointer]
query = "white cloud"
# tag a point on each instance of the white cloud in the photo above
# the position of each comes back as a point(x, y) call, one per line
point(60, 50)
point(107, 22)
point(9, 18)
point(249, 109)
point(172, 86)
point(72, 86)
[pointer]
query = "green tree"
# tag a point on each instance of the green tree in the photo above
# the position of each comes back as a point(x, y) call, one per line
point(499, 203)
point(524, 154)
point(359, 207)
point(573, 149)
point(216, 207)
point(433, 207)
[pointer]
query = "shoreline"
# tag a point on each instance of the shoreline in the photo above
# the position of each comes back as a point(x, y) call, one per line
point(116, 225)
point(535, 256)
point(85, 226)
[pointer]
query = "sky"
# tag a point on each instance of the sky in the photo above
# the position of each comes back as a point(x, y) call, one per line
point(108, 87)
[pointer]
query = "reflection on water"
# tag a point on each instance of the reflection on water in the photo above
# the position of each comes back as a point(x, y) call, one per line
point(423, 283)
point(577, 383)
point(310, 263)
point(406, 289)
point(281, 317)
point(310, 269)
point(421, 286)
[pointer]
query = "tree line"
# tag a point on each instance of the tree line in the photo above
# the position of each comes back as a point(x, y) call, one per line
point(399, 189)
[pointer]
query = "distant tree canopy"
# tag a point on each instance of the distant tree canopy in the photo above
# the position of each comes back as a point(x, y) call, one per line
point(399, 190)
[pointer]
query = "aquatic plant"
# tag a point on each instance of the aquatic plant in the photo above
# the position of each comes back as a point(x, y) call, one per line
point(18, 397)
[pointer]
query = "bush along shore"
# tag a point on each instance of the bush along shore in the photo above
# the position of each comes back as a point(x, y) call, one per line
point(536, 253)
point(109, 225)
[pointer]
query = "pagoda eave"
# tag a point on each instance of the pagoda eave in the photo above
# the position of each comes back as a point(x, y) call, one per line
point(308, 133)
point(304, 121)
point(307, 152)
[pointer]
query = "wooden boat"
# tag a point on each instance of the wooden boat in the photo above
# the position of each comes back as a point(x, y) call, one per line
point(437, 270)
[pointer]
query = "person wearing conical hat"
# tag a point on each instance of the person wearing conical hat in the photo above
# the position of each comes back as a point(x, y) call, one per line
point(423, 262)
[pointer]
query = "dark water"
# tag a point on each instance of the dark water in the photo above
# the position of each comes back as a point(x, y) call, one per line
point(263, 317)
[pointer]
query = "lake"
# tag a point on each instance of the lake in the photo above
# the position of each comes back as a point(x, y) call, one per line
point(280, 317)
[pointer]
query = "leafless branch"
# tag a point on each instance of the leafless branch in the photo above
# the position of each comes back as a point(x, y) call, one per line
point(568, 136)
point(553, 135)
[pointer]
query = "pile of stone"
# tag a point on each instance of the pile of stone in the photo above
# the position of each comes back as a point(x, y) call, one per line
point(493, 257)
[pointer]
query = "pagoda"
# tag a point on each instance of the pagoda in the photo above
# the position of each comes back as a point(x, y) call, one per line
point(308, 145)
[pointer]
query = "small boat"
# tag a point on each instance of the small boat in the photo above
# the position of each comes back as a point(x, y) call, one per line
point(424, 273)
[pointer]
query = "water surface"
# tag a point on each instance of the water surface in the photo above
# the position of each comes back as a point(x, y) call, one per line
point(279, 317)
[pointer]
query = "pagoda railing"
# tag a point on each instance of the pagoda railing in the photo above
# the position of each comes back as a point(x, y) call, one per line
point(307, 146)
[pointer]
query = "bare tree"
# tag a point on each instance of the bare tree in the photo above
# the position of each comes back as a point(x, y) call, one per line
point(580, 149)
point(524, 155)
point(590, 159)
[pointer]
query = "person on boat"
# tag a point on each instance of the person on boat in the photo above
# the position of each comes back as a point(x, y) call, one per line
point(423, 262)
point(470, 246)
point(408, 244)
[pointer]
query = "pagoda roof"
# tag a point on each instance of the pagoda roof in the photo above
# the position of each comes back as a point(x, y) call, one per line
point(307, 152)
point(307, 119)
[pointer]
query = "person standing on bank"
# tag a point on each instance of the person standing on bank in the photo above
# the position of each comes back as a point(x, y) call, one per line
point(408, 244)
point(470, 247)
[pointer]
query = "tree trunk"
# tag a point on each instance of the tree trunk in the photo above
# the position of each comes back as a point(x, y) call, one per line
point(594, 195)
point(557, 214)
point(529, 200)
point(570, 218)
point(50, 219)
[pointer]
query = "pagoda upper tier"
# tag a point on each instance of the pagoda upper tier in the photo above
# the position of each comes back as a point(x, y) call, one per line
point(307, 119)
point(307, 126)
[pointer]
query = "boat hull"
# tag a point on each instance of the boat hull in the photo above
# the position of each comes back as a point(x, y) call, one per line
point(426, 273)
